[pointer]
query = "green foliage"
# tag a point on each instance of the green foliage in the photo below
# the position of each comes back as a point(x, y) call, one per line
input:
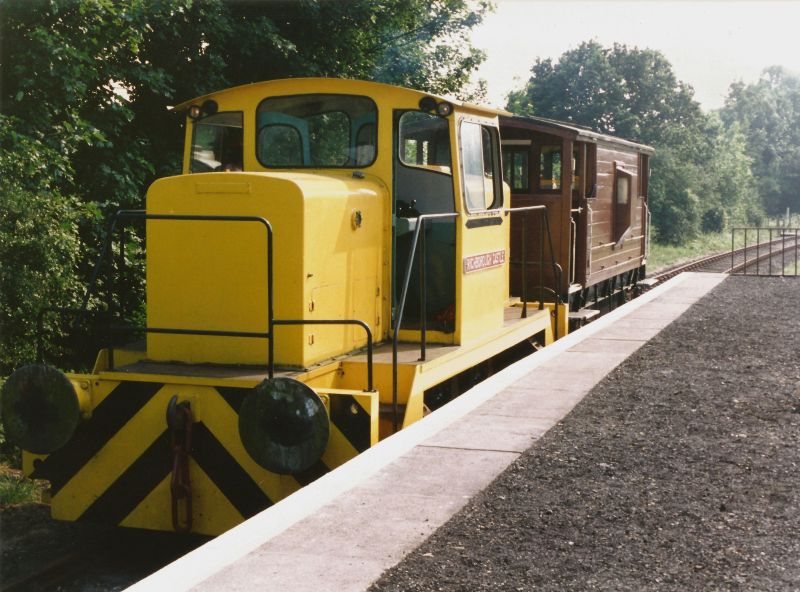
point(712, 221)
point(768, 114)
point(415, 43)
point(16, 489)
point(73, 75)
point(10, 455)
point(41, 167)
point(673, 204)
point(628, 92)
point(724, 179)
point(92, 79)
point(39, 251)
point(701, 171)
point(84, 93)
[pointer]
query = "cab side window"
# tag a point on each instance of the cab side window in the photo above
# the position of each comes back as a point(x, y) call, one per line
point(480, 161)
point(424, 141)
point(217, 143)
point(423, 174)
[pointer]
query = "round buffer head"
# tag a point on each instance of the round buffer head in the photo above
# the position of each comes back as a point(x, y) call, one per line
point(284, 426)
point(40, 409)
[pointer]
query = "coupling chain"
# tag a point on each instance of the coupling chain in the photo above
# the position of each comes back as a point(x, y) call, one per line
point(179, 421)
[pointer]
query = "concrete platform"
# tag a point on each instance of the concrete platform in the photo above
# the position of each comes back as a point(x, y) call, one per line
point(342, 531)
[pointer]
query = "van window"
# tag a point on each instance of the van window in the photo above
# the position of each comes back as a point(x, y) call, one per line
point(644, 174)
point(622, 204)
point(550, 167)
point(515, 168)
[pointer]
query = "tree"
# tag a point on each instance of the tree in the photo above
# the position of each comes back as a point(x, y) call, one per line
point(92, 79)
point(727, 187)
point(768, 114)
point(40, 244)
point(628, 92)
point(414, 43)
point(634, 94)
point(675, 207)
point(85, 86)
point(39, 234)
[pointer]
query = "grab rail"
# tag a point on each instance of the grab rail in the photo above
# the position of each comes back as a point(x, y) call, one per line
point(419, 231)
point(272, 322)
point(398, 320)
point(557, 270)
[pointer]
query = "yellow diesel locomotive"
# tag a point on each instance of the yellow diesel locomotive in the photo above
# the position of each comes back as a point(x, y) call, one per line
point(333, 262)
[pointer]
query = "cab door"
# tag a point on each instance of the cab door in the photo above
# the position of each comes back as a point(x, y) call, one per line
point(423, 184)
point(483, 242)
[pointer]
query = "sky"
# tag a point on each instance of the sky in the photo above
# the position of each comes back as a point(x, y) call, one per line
point(710, 44)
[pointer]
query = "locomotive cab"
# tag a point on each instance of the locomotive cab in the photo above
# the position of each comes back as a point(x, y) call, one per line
point(343, 177)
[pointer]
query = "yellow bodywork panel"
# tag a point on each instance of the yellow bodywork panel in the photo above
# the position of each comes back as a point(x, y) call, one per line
point(211, 275)
point(559, 329)
point(483, 271)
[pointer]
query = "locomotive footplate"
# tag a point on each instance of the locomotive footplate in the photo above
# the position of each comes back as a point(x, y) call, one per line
point(444, 362)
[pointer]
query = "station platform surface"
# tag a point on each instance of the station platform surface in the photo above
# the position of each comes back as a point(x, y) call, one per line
point(345, 529)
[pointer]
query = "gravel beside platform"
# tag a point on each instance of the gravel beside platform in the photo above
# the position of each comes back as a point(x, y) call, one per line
point(679, 471)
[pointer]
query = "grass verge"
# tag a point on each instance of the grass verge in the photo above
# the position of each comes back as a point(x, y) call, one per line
point(17, 489)
point(792, 269)
point(665, 256)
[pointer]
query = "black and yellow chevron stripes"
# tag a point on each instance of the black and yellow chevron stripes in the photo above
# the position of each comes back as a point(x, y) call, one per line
point(352, 420)
point(90, 437)
point(117, 467)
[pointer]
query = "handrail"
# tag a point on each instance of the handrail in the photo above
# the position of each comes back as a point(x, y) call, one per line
point(557, 270)
point(419, 230)
point(261, 335)
point(573, 241)
point(589, 237)
point(143, 215)
point(398, 320)
point(362, 324)
point(271, 320)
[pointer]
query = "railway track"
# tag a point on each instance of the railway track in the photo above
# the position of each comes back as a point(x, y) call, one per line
point(765, 258)
point(54, 573)
point(97, 561)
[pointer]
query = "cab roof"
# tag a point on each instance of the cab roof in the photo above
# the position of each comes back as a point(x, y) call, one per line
point(334, 85)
